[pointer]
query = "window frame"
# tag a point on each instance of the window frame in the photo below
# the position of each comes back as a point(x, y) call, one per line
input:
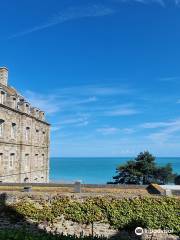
point(13, 130)
point(27, 162)
point(27, 134)
point(1, 159)
point(11, 160)
point(2, 97)
point(2, 127)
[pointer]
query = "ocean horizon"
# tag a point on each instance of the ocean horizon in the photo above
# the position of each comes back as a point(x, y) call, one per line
point(99, 170)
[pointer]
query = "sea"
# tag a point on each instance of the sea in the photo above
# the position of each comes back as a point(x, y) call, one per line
point(95, 170)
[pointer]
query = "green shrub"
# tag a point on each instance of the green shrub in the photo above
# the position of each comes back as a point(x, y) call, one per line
point(152, 213)
point(24, 235)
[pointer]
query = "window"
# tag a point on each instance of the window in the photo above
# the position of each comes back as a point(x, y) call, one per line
point(37, 113)
point(44, 136)
point(26, 162)
point(1, 127)
point(27, 108)
point(36, 160)
point(1, 159)
point(42, 114)
point(43, 161)
point(27, 134)
point(11, 160)
point(2, 97)
point(13, 130)
point(37, 135)
point(26, 179)
point(14, 103)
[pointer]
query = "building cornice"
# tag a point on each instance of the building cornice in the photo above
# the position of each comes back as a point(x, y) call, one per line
point(23, 113)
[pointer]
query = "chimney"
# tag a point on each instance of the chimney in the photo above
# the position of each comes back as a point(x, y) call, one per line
point(4, 76)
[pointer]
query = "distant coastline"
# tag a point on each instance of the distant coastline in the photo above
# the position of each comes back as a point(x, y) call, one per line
point(95, 169)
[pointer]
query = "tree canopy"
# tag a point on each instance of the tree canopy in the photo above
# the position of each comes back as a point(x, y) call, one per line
point(143, 170)
point(177, 180)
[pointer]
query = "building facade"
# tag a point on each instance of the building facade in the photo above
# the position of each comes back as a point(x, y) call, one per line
point(24, 137)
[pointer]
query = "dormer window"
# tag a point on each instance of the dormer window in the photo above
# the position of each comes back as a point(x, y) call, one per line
point(41, 115)
point(1, 127)
point(21, 99)
point(37, 113)
point(2, 97)
point(27, 108)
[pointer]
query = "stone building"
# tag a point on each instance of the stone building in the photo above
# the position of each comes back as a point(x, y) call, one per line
point(24, 137)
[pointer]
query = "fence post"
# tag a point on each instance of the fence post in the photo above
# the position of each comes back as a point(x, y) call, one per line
point(77, 187)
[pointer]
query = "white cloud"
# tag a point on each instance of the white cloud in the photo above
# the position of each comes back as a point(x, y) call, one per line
point(55, 128)
point(76, 120)
point(167, 130)
point(170, 79)
point(97, 90)
point(82, 123)
point(46, 103)
point(88, 100)
point(177, 2)
point(57, 102)
point(162, 3)
point(114, 130)
point(108, 90)
point(79, 98)
point(69, 15)
point(152, 125)
point(80, 106)
point(128, 130)
point(121, 111)
point(89, 11)
point(107, 130)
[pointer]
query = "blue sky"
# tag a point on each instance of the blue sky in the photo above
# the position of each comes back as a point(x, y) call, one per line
point(107, 72)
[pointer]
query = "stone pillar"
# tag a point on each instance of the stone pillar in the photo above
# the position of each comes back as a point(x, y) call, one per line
point(168, 192)
point(77, 187)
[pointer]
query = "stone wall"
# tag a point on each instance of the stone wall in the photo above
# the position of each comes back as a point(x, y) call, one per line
point(61, 225)
point(65, 227)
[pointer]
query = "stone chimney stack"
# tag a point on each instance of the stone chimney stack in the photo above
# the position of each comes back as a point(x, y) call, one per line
point(4, 76)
